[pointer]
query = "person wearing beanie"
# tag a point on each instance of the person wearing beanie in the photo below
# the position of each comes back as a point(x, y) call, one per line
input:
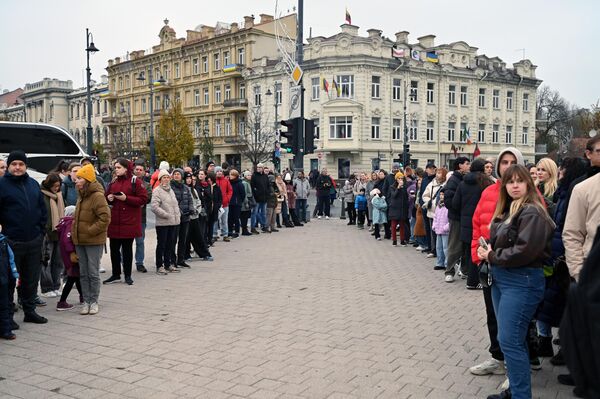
point(23, 217)
point(87, 172)
point(88, 161)
point(227, 193)
point(186, 206)
point(210, 167)
point(154, 179)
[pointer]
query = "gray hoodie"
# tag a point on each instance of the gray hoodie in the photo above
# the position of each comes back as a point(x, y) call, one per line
point(512, 150)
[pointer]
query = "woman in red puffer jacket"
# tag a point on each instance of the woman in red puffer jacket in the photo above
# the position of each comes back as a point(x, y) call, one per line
point(127, 196)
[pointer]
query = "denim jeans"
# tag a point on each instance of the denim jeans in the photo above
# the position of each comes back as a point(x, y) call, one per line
point(301, 209)
point(139, 247)
point(413, 221)
point(442, 248)
point(222, 222)
point(544, 329)
point(516, 294)
point(259, 215)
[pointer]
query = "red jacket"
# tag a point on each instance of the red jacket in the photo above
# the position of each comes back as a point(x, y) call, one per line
point(226, 190)
point(126, 216)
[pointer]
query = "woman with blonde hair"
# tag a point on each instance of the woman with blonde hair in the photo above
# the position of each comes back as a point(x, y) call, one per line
point(520, 243)
point(547, 179)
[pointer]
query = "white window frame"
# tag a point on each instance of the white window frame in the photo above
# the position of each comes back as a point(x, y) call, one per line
point(177, 71)
point(340, 127)
point(451, 94)
point(397, 129)
point(227, 126)
point(278, 93)
point(376, 87)
point(217, 127)
point(509, 100)
point(396, 89)
point(463, 132)
point(414, 91)
point(525, 135)
point(241, 56)
point(205, 64)
point(496, 98)
point(242, 90)
point(481, 133)
point(464, 96)
point(481, 97)
point(316, 88)
point(206, 96)
point(257, 96)
point(217, 94)
point(495, 134)
point(430, 92)
point(451, 131)
point(195, 66)
point(430, 130)
point(525, 102)
point(508, 136)
point(375, 128)
point(144, 106)
point(346, 85)
point(225, 58)
point(217, 61)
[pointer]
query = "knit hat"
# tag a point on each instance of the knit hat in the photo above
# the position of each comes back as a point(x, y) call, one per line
point(164, 165)
point(374, 191)
point(178, 170)
point(162, 173)
point(186, 175)
point(396, 166)
point(398, 175)
point(288, 177)
point(218, 169)
point(70, 210)
point(17, 155)
point(513, 151)
point(87, 172)
point(209, 163)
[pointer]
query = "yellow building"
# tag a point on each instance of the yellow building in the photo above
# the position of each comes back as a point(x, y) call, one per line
point(203, 71)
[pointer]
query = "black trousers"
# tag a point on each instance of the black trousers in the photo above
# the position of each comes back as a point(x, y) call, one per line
point(244, 217)
point(427, 224)
point(361, 217)
point(351, 212)
point(165, 244)
point(181, 239)
point(324, 205)
point(7, 292)
point(233, 219)
point(68, 286)
point(116, 246)
point(28, 258)
point(210, 226)
point(196, 237)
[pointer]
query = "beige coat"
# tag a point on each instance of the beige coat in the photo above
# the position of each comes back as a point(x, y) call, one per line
point(430, 195)
point(583, 218)
point(165, 206)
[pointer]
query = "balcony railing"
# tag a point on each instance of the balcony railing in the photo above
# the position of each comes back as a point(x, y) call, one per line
point(235, 102)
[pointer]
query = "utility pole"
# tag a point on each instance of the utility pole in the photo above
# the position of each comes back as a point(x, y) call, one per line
point(299, 156)
point(405, 138)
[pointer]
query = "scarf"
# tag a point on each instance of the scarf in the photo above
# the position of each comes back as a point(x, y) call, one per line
point(57, 207)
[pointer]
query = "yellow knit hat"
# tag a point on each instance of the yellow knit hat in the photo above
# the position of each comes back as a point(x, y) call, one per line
point(88, 173)
point(399, 175)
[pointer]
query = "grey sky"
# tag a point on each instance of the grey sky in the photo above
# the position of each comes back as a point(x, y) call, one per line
point(43, 38)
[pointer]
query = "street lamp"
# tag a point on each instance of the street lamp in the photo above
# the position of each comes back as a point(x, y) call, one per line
point(276, 102)
point(141, 77)
point(90, 48)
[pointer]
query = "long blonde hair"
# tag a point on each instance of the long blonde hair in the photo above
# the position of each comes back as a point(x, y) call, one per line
point(507, 204)
point(551, 184)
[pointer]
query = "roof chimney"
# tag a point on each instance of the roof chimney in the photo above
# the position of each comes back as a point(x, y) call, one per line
point(374, 33)
point(264, 18)
point(248, 22)
point(234, 27)
point(426, 41)
point(402, 37)
point(350, 29)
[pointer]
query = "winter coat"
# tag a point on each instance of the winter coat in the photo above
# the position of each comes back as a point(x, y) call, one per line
point(449, 191)
point(184, 199)
point(126, 216)
point(441, 222)
point(203, 190)
point(8, 268)
point(398, 204)
point(69, 191)
point(196, 203)
point(431, 195)
point(238, 192)
point(217, 200)
point(249, 201)
point(583, 218)
point(165, 206)
point(272, 197)
point(92, 216)
point(360, 202)
point(411, 189)
point(357, 186)
point(528, 246)
point(381, 185)
point(348, 192)
point(482, 217)
point(419, 230)
point(66, 246)
point(379, 210)
point(226, 190)
point(324, 185)
point(424, 183)
point(148, 189)
point(389, 182)
point(302, 187)
point(465, 201)
point(260, 187)
point(291, 195)
point(23, 212)
point(560, 213)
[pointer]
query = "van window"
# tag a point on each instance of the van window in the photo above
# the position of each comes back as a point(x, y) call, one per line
point(39, 140)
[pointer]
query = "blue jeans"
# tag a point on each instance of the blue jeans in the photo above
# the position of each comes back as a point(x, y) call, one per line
point(259, 215)
point(139, 247)
point(516, 294)
point(442, 248)
point(222, 221)
point(301, 209)
point(413, 221)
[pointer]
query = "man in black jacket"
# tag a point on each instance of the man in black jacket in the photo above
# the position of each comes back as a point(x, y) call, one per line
point(23, 218)
point(260, 190)
point(455, 247)
point(324, 185)
point(430, 170)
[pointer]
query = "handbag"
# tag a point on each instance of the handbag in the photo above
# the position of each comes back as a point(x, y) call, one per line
point(485, 274)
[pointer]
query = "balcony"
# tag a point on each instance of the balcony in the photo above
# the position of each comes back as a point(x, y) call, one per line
point(236, 103)
point(110, 120)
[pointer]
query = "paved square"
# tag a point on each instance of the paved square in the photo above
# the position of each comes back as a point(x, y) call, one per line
point(321, 311)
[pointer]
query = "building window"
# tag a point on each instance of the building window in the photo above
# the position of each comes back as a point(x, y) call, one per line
point(414, 91)
point(496, 99)
point(206, 127)
point(317, 131)
point(241, 56)
point(278, 93)
point(481, 98)
point(452, 94)
point(340, 127)
point(197, 129)
point(346, 85)
point(206, 96)
point(177, 71)
point(430, 127)
point(525, 102)
point(197, 97)
point(509, 100)
point(217, 58)
point(451, 131)
point(227, 92)
point(105, 107)
point(257, 96)
point(375, 122)
point(375, 85)
point(413, 131)
point(525, 136)
point(195, 67)
point(508, 134)
point(242, 90)
point(316, 89)
point(143, 105)
point(166, 71)
point(177, 97)
point(463, 96)
point(226, 58)
point(241, 125)
point(218, 95)
point(157, 102)
point(495, 133)
point(217, 127)
point(430, 87)
point(127, 81)
point(481, 133)
point(463, 132)
point(227, 126)
point(205, 64)
point(120, 83)
point(397, 89)
point(397, 129)
point(167, 102)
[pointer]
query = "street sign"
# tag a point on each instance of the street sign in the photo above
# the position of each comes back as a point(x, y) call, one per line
point(320, 155)
point(295, 93)
point(297, 74)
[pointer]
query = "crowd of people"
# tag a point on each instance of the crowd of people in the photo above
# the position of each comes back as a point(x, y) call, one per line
point(522, 234)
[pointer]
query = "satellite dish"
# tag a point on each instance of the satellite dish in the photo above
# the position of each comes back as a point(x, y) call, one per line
point(593, 133)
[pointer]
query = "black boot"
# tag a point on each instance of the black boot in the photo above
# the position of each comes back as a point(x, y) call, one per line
point(502, 395)
point(545, 348)
point(33, 317)
point(566, 379)
point(557, 360)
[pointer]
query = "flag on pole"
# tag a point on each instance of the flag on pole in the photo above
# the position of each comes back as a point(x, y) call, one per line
point(415, 55)
point(326, 85)
point(454, 149)
point(476, 153)
point(336, 87)
point(397, 52)
point(468, 136)
point(432, 57)
point(348, 18)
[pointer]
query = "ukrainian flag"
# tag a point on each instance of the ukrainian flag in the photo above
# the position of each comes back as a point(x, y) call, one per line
point(432, 57)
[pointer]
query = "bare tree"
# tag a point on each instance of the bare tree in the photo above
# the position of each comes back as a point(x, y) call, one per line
point(553, 114)
point(257, 139)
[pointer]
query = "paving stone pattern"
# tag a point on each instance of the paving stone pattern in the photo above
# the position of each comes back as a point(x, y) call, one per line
point(322, 311)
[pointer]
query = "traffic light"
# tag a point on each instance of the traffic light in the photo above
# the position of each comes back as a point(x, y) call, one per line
point(291, 135)
point(406, 154)
point(309, 136)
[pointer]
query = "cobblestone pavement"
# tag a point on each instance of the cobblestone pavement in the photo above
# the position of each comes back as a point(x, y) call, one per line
point(322, 311)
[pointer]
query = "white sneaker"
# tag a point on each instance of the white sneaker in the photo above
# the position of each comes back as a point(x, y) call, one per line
point(85, 309)
point(505, 385)
point(58, 292)
point(490, 366)
point(93, 308)
point(49, 294)
point(326, 217)
point(430, 255)
point(449, 278)
point(420, 248)
point(318, 217)
point(102, 270)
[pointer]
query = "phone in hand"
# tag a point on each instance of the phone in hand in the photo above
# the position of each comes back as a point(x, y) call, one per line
point(483, 243)
point(119, 193)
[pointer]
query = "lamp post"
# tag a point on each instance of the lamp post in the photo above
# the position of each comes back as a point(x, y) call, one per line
point(90, 48)
point(276, 124)
point(141, 77)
